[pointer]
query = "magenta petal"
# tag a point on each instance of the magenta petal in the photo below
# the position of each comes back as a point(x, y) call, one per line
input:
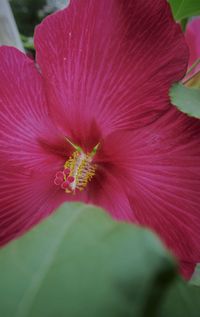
point(28, 137)
point(111, 62)
point(159, 169)
point(31, 149)
point(106, 191)
point(26, 198)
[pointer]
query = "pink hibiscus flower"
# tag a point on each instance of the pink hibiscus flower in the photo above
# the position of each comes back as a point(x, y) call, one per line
point(192, 36)
point(95, 124)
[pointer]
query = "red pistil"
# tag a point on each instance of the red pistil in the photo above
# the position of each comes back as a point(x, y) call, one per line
point(70, 179)
point(65, 185)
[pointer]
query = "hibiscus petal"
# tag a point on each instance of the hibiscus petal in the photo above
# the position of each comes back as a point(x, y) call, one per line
point(31, 149)
point(159, 169)
point(26, 197)
point(106, 191)
point(111, 62)
point(27, 133)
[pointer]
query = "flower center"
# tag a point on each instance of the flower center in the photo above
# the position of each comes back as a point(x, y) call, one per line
point(78, 170)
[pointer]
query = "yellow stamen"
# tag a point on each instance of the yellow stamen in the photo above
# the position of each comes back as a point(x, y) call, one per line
point(81, 169)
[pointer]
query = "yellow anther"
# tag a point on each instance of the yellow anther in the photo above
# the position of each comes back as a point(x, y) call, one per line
point(81, 170)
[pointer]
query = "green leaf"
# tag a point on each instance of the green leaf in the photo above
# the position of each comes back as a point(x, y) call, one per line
point(184, 8)
point(186, 99)
point(195, 280)
point(80, 263)
point(181, 300)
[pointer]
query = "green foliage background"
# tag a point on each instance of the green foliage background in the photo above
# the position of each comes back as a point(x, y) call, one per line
point(81, 263)
point(26, 14)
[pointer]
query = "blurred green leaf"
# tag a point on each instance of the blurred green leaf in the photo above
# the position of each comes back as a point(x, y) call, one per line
point(195, 280)
point(81, 263)
point(186, 99)
point(184, 8)
point(182, 300)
